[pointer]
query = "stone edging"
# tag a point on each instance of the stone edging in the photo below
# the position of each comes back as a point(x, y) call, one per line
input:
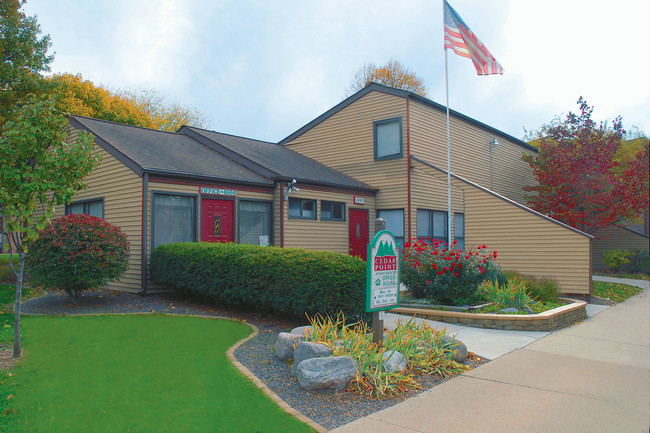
point(550, 320)
point(230, 353)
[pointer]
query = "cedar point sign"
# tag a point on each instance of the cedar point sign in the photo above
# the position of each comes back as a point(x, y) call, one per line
point(382, 284)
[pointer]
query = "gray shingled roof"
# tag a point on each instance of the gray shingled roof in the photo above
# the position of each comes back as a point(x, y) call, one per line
point(166, 152)
point(284, 163)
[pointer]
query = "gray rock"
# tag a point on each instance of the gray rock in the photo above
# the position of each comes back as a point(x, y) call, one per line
point(394, 361)
point(302, 330)
point(334, 372)
point(509, 310)
point(459, 348)
point(285, 345)
point(306, 350)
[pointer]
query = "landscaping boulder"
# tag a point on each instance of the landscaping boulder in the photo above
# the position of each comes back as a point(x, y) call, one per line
point(285, 345)
point(393, 361)
point(305, 331)
point(306, 350)
point(334, 372)
point(459, 348)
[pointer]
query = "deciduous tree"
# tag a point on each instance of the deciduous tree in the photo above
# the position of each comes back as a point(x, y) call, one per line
point(40, 170)
point(583, 179)
point(392, 74)
point(24, 56)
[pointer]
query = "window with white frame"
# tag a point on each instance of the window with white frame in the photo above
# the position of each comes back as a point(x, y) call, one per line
point(394, 223)
point(302, 208)
point(332, 211)
point(388, 138)
point(173, 218)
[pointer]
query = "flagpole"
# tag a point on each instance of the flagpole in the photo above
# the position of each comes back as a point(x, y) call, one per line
point(448, 154)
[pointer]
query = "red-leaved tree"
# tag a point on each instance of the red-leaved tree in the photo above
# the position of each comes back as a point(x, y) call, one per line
point(581, 182)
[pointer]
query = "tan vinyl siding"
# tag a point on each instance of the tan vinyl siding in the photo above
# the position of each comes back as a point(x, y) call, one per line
point(616, 237)
point(345, 142)
point(430, 193)
point(324, 235)
point(121, 190)
point(472, 155)
point(525, 241)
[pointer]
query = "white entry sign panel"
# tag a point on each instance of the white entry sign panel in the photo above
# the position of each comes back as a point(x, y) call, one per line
point(382, 283)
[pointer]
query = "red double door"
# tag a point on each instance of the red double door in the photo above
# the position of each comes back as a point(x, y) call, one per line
point(217, 220)
point(358, 231)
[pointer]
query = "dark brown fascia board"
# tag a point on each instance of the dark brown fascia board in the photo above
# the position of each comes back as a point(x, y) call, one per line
point(186, 176)
point(403, 94)
point(128, 162)
point(506, 199)
point(230, 154)
point(329, 186)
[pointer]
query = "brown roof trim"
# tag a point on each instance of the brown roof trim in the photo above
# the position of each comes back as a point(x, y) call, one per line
point(372, 87)
point(527, 209)
point(128, 162)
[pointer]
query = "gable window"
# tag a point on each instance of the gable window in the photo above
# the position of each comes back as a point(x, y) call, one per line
point(94, 207)
point(254, 225)
point(388, 138)
point(394, 223)
point(173, 218)
point(432, 224)
point(302, 208)
point(459, 230)
point(332, 211)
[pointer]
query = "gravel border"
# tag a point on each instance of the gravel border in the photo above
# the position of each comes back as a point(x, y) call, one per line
point(327, 408)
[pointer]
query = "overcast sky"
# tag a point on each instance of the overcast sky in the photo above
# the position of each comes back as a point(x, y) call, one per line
point(262, 69)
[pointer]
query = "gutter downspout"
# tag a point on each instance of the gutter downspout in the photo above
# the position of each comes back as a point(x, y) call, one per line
point(408, 164)
point(282, 186)
point(145, 241)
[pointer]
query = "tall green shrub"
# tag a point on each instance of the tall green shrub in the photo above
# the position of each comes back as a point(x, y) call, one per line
point(269, 279)
point(77, 253)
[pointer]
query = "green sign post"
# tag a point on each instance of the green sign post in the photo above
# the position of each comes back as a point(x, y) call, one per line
point(382, 280)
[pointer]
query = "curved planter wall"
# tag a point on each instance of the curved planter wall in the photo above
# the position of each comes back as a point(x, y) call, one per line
point(549, 320)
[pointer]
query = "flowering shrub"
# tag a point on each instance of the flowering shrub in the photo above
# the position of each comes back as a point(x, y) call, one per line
point(78, 252)
point(430, 269)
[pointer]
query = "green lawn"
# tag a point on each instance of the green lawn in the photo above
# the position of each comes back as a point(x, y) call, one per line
point(616, 292)
point(138, 373)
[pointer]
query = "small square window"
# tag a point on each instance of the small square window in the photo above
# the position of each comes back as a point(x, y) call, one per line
point(300, 208)
point(388, 138)
point(332, 211)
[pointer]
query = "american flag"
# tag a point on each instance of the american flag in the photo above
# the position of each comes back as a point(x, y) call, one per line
point(460, 38)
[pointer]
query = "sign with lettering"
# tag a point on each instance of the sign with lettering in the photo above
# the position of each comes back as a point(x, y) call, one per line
point(217, 191)
point(382, 283)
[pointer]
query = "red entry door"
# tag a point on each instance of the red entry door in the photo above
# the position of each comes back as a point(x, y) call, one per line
point(217, 218)
point(359, 233)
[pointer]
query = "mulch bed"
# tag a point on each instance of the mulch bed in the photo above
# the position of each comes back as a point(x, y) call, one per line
point(329, 409)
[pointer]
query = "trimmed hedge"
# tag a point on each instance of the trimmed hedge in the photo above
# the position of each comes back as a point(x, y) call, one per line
point(270, 279)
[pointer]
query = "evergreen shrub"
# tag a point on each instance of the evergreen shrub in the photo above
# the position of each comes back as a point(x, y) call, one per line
point(269, 279)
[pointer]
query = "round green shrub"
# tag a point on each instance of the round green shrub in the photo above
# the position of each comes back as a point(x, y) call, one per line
point(77, 253)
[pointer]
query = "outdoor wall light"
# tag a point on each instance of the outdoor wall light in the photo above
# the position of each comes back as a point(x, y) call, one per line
point(290, 188)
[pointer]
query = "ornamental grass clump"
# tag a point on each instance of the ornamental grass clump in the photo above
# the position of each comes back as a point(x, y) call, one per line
point(512, 294)
point(446, 275)
point(425, 349)
point(77, 253)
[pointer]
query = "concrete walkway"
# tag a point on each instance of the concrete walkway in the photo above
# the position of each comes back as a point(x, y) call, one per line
point(591, 377)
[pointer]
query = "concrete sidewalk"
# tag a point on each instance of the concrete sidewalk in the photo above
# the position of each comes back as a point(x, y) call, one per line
point(590, 377)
